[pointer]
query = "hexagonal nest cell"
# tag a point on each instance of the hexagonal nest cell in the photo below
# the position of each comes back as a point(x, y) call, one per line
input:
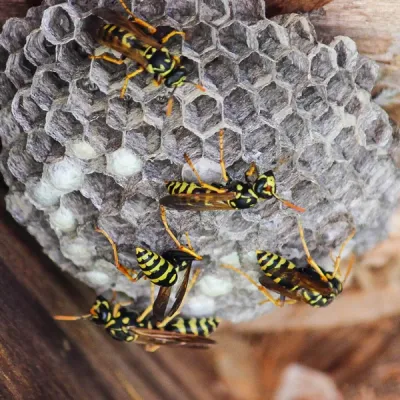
point(76, 155)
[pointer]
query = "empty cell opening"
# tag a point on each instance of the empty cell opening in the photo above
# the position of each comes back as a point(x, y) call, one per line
point(182, 13)
point(62, 126)
point(354, 106)
point(3, 58)
point(213, 11)
point(199, 38)
point(146, 139)
point(38, 50)
point(273, 41)
point(26, 111)
point(322, 65)
point(302, 35)
point(162, 170)
point(221, 73)
point(73, 57)
point(60, 24)
point(315, 159)
point(19, 69)
point(232, 147)
point(311, 99)
point(234, 39)
point(274, 98)
point(262, 144)
point(247, 11)
point(292, 68)
point(103, 138)
point(239, 106)
point(203, 113)
point(340, 87)
point(295, 129)
point(7, 90)
point(151, 10)
point(43, 148)
point(84, 5)
point(86, 32)
point(255, 70)
point(46, 87)
point(181, 141)
point(377, 129)
point(366, 76)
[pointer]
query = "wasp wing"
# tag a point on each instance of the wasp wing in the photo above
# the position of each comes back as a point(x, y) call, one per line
point(161, 303)
point(181, 293)
point(269, 284)
point(115, 18)
point(199, 201)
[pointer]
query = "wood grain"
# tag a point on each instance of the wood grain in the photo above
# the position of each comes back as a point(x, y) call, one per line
point(277, 7)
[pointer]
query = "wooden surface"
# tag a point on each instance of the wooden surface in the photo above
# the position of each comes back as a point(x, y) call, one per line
point(277, 7)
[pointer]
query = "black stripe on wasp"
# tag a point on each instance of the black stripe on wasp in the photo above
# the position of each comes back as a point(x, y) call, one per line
point(312, 284)
point(127, 326)
point(142, 43)
point(233, 195)
point(162, 270)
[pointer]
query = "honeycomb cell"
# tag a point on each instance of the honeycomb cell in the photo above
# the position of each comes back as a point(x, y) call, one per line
point(255, 71)
point(347, 141)
point(14, 33)
point(340, 87)
point(234, 227)
point(58, 24)
point(367, 73)
point(314, 159)
point(274, 99)
point(106, 75)
point(162, 170)
point(354, 106)
point(123, 163)
point(155, 111)
point(42, 232)
point(232, 147)
point(199, 39)
point(83, 5)
point(203, 115)
point(144, 140)
point(104, 193)
point(9, 128)
point(273, 40)
point(8, 177)
point(80, 207)
point(65, 175)
point(262, 146)
point(151, 10)
point(21, 209)
point(25, 110)
point(307, 194)
point(292, 68)
point(179, 141)
point(312, 100)
point(328, 124)
point(335, 228)
point(221, 73)
point(38, 50)
point(323, 63)
point(346, 50)
point(61, 125)
point(248, 11)
point(85, 32)
point(233, 39)
point(336, 179)
point(80, 251)
point(81, 149)
point(19, 70)
point(374, 123)
point(182, 12)
point(3, 58)
point(240, 109)
point(73, 59)
point(21, 164)
point(42, 147)
point(214, 12)
point(301, 33)
point(103, 138)
point(47, 86)
point(295, 131)
point(7, 90)
point(137, 208)
point(86, 100)
point(123, 114)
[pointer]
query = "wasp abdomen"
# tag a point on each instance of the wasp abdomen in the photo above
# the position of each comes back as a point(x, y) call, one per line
point(194, 326)
point(273, 264)
point(160, 271)
point(178, 187)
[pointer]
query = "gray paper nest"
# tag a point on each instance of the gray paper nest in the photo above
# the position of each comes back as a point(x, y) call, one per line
point(75, 155)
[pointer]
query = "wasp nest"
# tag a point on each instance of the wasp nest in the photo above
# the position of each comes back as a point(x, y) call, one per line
point(75, 155)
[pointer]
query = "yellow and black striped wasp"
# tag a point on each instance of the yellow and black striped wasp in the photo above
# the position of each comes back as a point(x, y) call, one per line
point(233, 195)
point(162, 270)
point(138, 41)
point(312, 284)
point(127, 326)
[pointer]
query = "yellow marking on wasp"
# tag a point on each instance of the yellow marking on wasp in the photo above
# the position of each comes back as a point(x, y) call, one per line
point(161, 264)
point(111, 323)
point(277, 280)
point(126, 320)
point(193, 326)
point(204, 327)
point(182, 187)
point(306, 296)
point(162, 277)
point(173, 279)
point(180, 325)
point(212, 322)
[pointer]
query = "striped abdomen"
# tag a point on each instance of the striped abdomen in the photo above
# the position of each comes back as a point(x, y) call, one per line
point(160, 271)
point(193, 326)
point(179, 187)
point(110, 34)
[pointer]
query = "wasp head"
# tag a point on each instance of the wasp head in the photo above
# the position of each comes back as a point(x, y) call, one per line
point(265, 185)
point(101, 311)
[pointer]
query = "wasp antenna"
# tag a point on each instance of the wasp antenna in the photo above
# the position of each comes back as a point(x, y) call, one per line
point(287, 203)
point(198, 86)
point(71, 317)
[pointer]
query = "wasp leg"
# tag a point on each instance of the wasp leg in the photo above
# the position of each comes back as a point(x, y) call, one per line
point(261, 288)
point(171, 34)
point(188, 250)
point(128, 78)
point(349, 268)
point(338, 258)
point(149, 308)
point(282, 302)
point(163, 323)
point(221, 156)
point(310, 260)
point(127, 272)
point(201, 183)
point(136, 20)
point(108, 58)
